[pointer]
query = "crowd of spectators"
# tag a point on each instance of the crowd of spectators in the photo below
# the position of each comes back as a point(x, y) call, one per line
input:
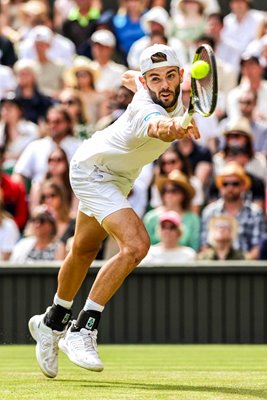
point(61, 69)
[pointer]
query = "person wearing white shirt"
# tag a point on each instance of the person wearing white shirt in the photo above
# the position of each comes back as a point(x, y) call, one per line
point(102, 173)
point(110, 72)
point(241, 24)
point(33, 162)
point(168, 251)
point(156, 20)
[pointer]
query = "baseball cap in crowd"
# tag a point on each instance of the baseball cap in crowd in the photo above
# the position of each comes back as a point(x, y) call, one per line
point(104, 37)
point(171, 216)
point(42, 33)
point(157, 56)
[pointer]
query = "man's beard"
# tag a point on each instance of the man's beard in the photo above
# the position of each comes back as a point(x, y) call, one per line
point(167, 104)
point(232, 197)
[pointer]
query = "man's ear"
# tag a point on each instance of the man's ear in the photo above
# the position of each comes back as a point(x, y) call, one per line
point(181, 73)
point(142, 81)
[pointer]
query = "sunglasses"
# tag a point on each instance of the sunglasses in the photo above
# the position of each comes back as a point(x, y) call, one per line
point(40, 220)
point(48, 196)
point(170, 227)
point(231, 183)
point(55, 159)
point(169, 162)
point(171, 190)
point(69, 102)
point(55, 121)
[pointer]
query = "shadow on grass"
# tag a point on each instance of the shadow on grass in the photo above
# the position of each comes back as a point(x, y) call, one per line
point(173, 388)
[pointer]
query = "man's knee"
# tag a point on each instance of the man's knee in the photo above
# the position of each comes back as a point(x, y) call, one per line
point(137, 251)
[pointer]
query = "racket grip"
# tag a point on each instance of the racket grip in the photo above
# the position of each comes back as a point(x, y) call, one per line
point(186, 119)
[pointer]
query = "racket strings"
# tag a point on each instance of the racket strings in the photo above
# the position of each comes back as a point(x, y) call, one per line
point(205, 89)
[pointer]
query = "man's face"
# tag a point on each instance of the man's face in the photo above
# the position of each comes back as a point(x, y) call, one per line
point(57, 124)
point(163, 85)
point(232, 188)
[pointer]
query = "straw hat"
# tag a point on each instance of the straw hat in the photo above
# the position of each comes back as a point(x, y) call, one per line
point(241, 125)
point(176, 177)
point(80, 63)
point(232, 168)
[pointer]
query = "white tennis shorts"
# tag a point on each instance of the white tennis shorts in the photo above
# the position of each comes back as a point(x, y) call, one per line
point(99, 194)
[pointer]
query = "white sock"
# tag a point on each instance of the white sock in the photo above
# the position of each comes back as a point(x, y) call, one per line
point(91, 305)
point(63, 303)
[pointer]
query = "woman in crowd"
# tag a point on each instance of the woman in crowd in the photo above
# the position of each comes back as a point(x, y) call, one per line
point(72, 100)
point(58, 171)
point(81, 76)
point(222, 232)
point(54, 196)
point(41, 244)
point(15, 132)
point(168, 250)
point(172, 159)
point(176, 195)
point(9, 232)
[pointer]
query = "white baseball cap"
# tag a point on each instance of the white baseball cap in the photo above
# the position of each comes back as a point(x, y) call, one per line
point(169, 58)
point(104, 37)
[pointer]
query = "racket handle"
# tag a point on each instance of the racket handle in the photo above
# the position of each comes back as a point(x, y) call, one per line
point(186, 119)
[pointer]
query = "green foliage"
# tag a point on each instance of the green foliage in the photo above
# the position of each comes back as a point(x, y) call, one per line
point(143, 372)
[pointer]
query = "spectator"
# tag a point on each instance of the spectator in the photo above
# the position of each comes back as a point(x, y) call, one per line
point(54, 197)
point(176, 195)
point(9, 233)
point(212, 6)
point(242, 155)
point(189, 21)
point(199, 157)
point(247, 105)
point(241, 24)
point(33, 162)
point(74, 103)
point(168, 251)
point(222, 232)
point(225, 49)
point(103, 45)
point(49, 71)
point(33, 102)
point(58, 172)
point(172, 159)
point(127, 25)
point(82, 77)
point(155, 21)
point(239, 133)
point(232, 183)
point(81, 22)
point(41, 244)
point(121, 101)
point(60, 49)
point(251, 79)
point(15, 132)
point(12, 196)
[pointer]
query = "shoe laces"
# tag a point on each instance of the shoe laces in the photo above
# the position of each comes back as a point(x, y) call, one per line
point(87, 341)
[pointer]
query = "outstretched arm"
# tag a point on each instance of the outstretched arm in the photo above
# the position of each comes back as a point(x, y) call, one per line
point(169, 129)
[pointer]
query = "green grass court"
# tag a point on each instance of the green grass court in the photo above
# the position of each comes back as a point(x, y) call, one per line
point(141, 372)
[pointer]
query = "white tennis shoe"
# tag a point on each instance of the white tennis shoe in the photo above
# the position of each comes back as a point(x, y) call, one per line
point(81, 348)
point(47, 345)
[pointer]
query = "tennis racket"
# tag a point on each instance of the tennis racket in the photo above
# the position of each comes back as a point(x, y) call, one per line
point(203, 93)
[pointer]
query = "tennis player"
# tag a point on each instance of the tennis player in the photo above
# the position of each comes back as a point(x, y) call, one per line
point(102, 173)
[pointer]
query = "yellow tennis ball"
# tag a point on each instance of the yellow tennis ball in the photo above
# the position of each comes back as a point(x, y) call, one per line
point(199, 69)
